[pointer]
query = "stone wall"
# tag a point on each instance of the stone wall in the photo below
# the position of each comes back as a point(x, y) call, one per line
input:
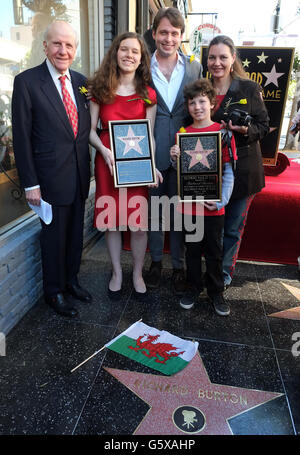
point(109, 23)
point(21, 269)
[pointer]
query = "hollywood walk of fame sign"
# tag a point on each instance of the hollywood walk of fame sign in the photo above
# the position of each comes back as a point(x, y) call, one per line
point(188, 402)
point(290, 313)
point(271, 68)
point(131, 144)
point(199, 167)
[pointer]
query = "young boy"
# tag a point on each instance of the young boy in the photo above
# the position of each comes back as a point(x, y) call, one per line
point(200, 100)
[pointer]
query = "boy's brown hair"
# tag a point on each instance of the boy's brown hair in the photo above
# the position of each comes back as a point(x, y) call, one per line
point(199, 87)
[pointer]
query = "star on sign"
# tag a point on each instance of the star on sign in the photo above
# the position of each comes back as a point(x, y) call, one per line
point(131, 142)
point(246, 63)
point(188, 402)
point(272, 77)
point(262, 58)
point(199, 155)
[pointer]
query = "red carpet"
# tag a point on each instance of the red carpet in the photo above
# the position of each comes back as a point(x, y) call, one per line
point(272, 232)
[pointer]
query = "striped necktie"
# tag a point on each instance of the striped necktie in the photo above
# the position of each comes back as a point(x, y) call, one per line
point(69, 105)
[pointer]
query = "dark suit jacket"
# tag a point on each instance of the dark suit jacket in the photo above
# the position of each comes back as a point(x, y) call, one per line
point(249, 175)
point(167, 122)
point(46, 151)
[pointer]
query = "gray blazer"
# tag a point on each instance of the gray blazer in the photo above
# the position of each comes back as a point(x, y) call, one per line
point(168, 123)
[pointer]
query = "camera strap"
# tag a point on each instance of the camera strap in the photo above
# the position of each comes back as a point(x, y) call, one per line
point(226, 141)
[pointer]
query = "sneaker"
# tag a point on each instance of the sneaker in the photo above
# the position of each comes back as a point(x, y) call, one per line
point(220, 305)
point(187, 302)
point(152, 279)
point(179, 282)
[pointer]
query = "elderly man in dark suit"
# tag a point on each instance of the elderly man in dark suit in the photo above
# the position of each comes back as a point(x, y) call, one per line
point(51, 125)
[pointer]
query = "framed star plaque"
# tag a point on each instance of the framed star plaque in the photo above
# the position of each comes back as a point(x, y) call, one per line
point(199, 166)
point(131, 144)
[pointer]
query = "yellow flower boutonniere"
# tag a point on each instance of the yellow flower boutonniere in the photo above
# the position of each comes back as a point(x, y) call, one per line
point(83, 90)
point(192, 58)
point(182, 130)
point(146, 100)
point(229, 103)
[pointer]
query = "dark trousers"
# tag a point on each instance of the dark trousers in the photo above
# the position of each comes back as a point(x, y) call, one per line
point(61, 246)
point(211, 246)
point(156, 238)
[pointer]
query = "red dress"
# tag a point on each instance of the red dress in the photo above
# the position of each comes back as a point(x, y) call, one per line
point(111, 204)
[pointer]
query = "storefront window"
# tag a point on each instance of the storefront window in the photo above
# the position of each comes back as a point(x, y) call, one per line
point(22, 24)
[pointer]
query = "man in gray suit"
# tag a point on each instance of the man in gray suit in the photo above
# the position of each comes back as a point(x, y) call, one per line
point(171, 71)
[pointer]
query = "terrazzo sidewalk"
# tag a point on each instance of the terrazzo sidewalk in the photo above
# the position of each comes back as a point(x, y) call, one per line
point(252, 353)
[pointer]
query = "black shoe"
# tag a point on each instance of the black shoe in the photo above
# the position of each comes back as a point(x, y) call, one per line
point(152, 279)
point(140, 296)
point(114, 295)
point(187, 302)
point(76, 291)
point(191, 297)
point(61, 306)
point(220, 305)
point(178, 282)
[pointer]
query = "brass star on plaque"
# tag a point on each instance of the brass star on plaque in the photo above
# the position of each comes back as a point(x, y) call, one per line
point(199, 155)
point(188, 402)
point(131, 142)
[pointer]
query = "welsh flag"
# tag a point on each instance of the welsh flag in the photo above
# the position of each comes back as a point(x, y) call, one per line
point(156, 349)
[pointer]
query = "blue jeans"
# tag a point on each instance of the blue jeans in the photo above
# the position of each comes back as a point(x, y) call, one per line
point(235, 220)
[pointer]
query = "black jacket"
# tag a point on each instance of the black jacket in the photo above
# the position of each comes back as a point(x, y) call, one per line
point(46, 152)
point(249, 175)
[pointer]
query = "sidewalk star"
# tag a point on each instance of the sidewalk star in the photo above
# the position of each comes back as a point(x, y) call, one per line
point(188, 402)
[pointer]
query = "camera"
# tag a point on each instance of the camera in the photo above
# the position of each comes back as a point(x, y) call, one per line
point(294, 129)
point(238, 117)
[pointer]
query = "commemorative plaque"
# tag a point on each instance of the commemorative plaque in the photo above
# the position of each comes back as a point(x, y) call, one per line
point(199, 166)
point(132, 147)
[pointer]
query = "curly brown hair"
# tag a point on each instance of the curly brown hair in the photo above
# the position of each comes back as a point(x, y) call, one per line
point(199, 87)
point(105, 81)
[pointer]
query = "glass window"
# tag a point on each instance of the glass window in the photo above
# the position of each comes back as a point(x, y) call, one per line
point(22, 25)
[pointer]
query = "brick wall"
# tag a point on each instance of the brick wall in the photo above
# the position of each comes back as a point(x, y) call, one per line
point(21, 269)
point(109, 23)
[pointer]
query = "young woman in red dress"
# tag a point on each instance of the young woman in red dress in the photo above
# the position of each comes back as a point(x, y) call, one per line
point(121, 91)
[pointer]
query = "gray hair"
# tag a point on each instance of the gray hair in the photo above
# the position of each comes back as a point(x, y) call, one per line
point(46, 33)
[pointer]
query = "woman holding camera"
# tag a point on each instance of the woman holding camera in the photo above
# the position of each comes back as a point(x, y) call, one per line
point(238, 96)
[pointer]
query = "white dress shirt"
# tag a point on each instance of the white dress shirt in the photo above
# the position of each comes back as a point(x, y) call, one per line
point(55, 76)
point(168, 89)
